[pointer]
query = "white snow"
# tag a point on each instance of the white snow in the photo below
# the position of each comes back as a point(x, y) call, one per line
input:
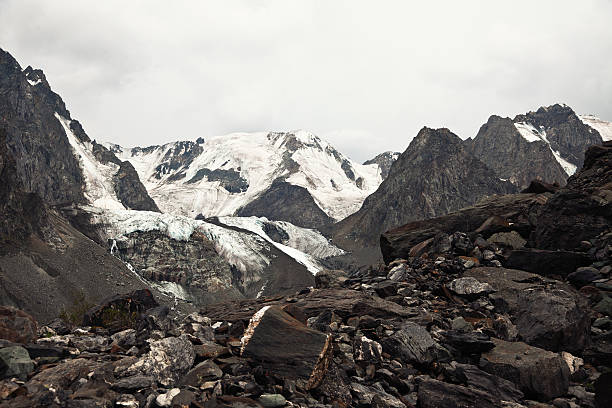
point(259, 159)
point(531, 134)
point(246, 251)
point(34, 83)
point(603, 127)
point(306, 240)
point(99, 189)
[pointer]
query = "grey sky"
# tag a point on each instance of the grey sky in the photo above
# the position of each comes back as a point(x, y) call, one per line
point(365, 75)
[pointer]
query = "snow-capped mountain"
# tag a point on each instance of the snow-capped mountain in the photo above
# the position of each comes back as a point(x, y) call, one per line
point(548, 144)
point(223, 175)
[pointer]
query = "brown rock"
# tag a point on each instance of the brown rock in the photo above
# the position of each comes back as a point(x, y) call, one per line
point(286, 347)
point(17, 326)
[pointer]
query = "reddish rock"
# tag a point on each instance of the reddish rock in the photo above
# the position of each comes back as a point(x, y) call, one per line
point(17, 326)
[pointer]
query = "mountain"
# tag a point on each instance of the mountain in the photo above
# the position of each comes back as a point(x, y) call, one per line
point(77, 221)
point(547, 144)
point(43, 137)
point(384, 161)
point(290, 176)
point(434, 176)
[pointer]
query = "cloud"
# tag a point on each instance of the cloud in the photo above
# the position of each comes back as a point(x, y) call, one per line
point(365, 76)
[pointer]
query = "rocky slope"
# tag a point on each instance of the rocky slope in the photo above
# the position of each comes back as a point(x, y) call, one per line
point(257, 174)
point(434, 176)
point(547, 144)
point(449, 324)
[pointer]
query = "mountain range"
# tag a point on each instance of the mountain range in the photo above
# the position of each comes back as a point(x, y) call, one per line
point(241, 215)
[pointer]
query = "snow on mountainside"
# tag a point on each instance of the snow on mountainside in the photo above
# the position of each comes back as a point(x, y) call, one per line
point(245, 251)
point(531, 134)
point(99, 189)
point(218, 176)
point(603, 127)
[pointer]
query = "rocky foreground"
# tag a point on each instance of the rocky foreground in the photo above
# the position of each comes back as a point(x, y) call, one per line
point(504, 304)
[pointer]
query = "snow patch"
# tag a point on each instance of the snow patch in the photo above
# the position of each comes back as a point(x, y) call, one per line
point(603, 127)
point(34, 83)
point(531, 134)
point(99, 189)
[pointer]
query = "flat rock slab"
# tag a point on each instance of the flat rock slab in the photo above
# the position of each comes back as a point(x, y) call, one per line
point(286, 347)
point(538, 373)
point(547, 313)
point(438, 394)
point(344, 302)
point(413, 344)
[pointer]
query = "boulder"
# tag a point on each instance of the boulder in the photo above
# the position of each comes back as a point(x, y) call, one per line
point(584, 276)
point(287, 347)
point(413, 344)
point(547, 313)
point(538, 373)
point(469, 286)
point(17, 326)
point(546, 262)
point(167, 360)
point(205, 371)
point(510, 239)
point(438, 394)
point(330, 278)
point(15, 362)
point(468, 343)
point(474, 377)
point(367, 350)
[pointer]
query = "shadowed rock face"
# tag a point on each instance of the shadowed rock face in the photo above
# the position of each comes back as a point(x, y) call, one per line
point(287, 202)
point(45, 162)
point(434, 176)
point(501, 147)
point(511, 157)
point(130, 190)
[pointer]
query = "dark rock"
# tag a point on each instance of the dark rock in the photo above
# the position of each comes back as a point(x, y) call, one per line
point(580, 211)
point(469, 343)
point(539, 373)
point(547, 313)
point(120, 312)
point(603, 391)
point(209, 349)
point(438, 394)
point(385, 289)
point(539, 187)
point(330, 278)
point(546, 263)
point(134, 383)
point(283, 201)
point(583, 276)
point(367, 350)
point(205, 371)
point(516, 208)
point(130, 191)
point(287, 347)
point(474, 377)
point(413, 344)
point(17, 326)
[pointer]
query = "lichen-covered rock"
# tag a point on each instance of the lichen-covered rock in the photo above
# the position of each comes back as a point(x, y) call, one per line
point(167, 360)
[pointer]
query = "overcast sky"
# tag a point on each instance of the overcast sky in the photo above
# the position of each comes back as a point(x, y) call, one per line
point(365, 75)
